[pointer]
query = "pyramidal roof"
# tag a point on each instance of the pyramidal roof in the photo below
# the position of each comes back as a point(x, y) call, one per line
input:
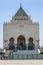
point(21, 12)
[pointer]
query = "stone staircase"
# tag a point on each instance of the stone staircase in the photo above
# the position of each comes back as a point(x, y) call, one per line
point(23, 55)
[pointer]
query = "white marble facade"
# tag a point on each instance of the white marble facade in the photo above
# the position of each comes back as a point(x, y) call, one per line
point(21, 25)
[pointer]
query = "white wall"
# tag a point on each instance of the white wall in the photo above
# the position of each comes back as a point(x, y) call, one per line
point(21, 27)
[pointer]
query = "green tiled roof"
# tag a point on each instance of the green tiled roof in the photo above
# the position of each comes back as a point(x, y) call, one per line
point(21, 12)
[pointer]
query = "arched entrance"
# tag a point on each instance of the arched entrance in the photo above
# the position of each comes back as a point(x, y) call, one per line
point(11, 44)
point(21, 45)
point(31, 45)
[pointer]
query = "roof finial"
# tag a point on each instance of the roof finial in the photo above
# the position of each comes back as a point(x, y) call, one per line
point(20, 5)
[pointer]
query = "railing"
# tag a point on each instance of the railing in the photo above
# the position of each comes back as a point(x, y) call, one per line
point(24, 56)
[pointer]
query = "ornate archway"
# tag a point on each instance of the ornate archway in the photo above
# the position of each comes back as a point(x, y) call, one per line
point(31, 45)
point(21, 45)
point(11, 44)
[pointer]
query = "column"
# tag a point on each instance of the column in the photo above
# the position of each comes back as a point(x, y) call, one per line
point(26, 44)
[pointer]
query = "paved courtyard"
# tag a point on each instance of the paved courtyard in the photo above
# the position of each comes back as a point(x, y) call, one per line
point(21, 62)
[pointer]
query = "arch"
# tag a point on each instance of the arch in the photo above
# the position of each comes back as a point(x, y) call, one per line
point(31, 45)
point(30, 39)
point(11, 44)
point(11, 39)
point(21, 42)
point(21, 37)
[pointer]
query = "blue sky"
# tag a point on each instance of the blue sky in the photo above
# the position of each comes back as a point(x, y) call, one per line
point(34, 8)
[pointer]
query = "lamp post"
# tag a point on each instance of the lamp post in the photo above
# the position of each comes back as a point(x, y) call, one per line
point(4, 50)
point(38, 44)
point(5, 41)
point(39, 51)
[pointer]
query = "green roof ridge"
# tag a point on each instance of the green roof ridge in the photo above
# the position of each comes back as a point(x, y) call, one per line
point(21, 12)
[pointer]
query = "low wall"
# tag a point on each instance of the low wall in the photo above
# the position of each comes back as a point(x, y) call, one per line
point(21, 62)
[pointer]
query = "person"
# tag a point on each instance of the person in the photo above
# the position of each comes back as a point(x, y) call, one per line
point(10, 55)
